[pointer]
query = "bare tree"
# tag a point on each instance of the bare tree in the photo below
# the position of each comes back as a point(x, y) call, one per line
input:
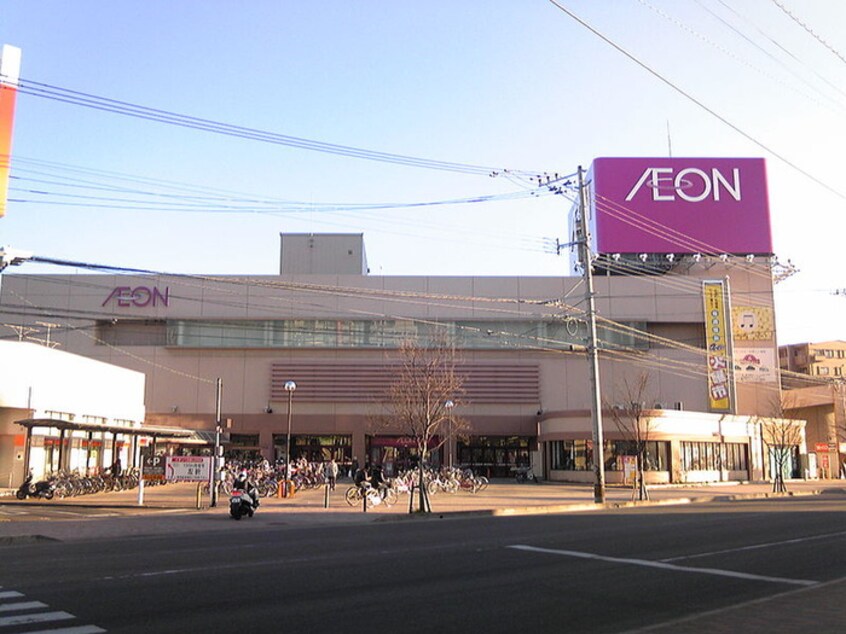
point(781, 435)
point(422, 399)
point(636, 426)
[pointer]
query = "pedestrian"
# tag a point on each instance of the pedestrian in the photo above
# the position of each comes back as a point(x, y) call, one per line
point(377, 479)
point(361, 479)
point(117, 468)
point(330, 472)
point(354, 468)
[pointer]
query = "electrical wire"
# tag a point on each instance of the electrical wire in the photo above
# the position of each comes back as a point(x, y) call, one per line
point(810, 31)
point(701, 104)
point(807, 69)
point(171, 197)
point(743, 60)
point(115, 106)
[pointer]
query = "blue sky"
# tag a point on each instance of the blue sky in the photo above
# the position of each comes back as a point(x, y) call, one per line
point(518, 85)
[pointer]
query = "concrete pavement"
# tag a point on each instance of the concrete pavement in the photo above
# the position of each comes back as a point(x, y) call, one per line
point(173, 507)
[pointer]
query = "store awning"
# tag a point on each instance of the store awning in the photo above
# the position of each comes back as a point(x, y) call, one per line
point(176, 433)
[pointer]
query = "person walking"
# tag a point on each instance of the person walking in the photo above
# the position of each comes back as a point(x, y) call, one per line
point(330, 473)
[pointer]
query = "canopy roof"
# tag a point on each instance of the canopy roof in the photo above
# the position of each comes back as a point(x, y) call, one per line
point(177, 433)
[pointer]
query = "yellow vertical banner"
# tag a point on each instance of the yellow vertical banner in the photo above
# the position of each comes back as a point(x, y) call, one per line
point(10, 64)
point(718, 346)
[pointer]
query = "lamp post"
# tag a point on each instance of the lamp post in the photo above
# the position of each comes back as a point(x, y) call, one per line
point(449, 405)
point(290, 386)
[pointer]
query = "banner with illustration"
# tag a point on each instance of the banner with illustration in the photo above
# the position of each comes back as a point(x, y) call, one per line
point(752, 323)
point(718, 344)
point(755, 365)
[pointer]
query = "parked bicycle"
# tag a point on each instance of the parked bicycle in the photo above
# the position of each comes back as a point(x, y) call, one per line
point(384, 495)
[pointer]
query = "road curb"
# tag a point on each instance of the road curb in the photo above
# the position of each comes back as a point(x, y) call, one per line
point(75, 505)
point(592, 506)
point(10, 540)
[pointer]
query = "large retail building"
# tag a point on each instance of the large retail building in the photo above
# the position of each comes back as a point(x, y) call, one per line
point(693, 325)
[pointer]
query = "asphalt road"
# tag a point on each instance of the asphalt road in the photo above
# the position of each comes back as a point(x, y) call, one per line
point(607, 571)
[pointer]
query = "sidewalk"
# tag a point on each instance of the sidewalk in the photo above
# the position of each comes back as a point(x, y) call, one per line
point(173, 508)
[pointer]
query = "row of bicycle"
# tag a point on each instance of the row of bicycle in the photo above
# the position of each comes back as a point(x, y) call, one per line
point(64, 484)
point(444, 480)
point(435, 481)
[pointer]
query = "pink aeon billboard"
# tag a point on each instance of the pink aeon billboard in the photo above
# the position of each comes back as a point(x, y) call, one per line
point(680, 205)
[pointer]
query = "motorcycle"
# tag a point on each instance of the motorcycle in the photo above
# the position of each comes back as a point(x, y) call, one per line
point(242, 503)
point(525, 474)
point(42, 489)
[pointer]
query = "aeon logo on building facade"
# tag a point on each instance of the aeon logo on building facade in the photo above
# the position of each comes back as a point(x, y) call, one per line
point(690, 184)
point(140, 296)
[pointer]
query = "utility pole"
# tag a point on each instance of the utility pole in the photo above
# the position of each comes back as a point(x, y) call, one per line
point(215, 474)
point(592, 350)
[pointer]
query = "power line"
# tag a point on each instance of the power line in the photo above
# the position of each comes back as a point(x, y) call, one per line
point(810, 31)
point(737, 58)
point(173, 198)
point(801, 76)
point(699, 103)
point(104, 104)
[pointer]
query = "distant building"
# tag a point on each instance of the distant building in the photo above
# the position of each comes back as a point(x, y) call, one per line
point(820, 399)
point(823, 359)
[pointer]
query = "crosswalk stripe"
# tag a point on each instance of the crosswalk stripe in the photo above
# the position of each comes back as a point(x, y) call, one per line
point(44, 617)
point(25, 605)
point(23, 619)
point(79, 629)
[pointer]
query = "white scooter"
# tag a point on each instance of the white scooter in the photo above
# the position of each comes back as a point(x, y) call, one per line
point(242, 503)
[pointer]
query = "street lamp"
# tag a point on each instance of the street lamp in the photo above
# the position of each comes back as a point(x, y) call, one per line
point(449, 405)
point(290, 386)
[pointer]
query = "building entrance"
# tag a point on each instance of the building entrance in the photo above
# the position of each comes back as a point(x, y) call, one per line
point(400, 453)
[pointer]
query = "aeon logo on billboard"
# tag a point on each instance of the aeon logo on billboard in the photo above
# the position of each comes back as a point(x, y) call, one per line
point(680, 205)
point(140, 296)
point(691, 184)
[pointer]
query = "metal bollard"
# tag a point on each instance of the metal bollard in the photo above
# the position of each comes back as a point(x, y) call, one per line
point(200, 486)
point(326, 496)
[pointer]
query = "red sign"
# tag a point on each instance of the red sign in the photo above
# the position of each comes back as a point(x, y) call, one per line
point(400, 441)
point(188, 468)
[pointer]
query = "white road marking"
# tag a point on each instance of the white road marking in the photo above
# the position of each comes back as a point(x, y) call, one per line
point(281, 561)
point(79, 629)
point(730, 608)
point(39, 617)
point(665, 566)
point(797, 540)
point(25, 605)
point(24, 619)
